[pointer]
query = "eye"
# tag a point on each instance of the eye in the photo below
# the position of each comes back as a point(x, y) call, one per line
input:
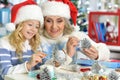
point(48, 20)
point(37, 26)
point(29, 24)
point(59, 21)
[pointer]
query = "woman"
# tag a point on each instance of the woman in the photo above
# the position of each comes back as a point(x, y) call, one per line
point(19, 50)
point(57, 30)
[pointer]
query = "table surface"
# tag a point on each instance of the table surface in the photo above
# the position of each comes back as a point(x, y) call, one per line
point(66, 72)
point(18, 77)
point(27, 77)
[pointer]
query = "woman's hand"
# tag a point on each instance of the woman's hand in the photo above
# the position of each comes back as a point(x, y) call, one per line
point(91, 52)
point(71, 45)
point(35, 59)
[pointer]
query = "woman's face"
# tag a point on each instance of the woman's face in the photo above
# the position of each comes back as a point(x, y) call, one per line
point(30, 28)
point(54, 25)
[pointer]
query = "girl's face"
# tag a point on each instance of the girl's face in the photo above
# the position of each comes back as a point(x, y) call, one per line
point(30, 28)
point(54, 25)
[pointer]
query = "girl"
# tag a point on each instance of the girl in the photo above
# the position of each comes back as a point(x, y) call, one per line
point(18, 51)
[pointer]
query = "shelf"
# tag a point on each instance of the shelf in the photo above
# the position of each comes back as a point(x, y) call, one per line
point(98, 31)
point(114, 48)
point(115, 54)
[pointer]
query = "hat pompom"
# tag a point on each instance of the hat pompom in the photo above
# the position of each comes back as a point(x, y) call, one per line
point(10, 27)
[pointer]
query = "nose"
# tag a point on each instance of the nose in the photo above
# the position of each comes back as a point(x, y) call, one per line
point(34, 29)
point(54, 25)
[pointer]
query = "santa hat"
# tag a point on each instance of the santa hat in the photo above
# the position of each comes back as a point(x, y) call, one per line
point(62, 8)
point(24, 11)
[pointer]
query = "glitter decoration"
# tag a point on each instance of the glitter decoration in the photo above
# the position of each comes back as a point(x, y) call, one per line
point(113, 76)
point(96, 67)
point(58, 55)
point(43, 75)
point(85, 43)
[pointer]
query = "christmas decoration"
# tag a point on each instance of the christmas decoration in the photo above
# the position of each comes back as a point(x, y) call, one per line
point(96, 67)
point(46, 73)
point(112, 32)
point(113, 76)
point(43, 75)
point(85, 43)
point(59, 57)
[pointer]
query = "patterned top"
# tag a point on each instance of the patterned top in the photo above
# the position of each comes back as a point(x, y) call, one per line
point(9, 62)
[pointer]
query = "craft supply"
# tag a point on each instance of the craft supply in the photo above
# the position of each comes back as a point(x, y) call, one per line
point(85, 69)
point(113, 76)
point(46, 73)
point(85, 43)
point(96, 67)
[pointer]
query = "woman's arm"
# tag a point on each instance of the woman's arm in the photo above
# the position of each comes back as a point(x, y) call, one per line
point(98, 51)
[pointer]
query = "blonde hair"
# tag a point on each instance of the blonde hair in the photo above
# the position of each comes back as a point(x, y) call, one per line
point(68, 27)
point(17, 39)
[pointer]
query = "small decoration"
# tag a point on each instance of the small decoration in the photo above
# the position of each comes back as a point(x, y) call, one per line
point(118, 69)
point(103, 78)
point(85, 43)
point(43, 75)
point(112, 32)
point(46, 73)
point(96, 67)
point(85, 69)
point(59, 56)
point(113, 76)
point(94, 77)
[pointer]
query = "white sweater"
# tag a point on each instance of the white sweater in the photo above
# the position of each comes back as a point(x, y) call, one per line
point(49, 43)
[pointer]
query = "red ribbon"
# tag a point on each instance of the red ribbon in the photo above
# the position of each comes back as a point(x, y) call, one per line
point(73, 9)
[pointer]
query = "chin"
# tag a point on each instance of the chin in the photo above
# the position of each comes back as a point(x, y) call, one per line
point(54, 36)
point(28, 38)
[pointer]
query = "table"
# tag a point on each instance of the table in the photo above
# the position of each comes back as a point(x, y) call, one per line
point(27, 77)
point(67, 72)
point(18, 77)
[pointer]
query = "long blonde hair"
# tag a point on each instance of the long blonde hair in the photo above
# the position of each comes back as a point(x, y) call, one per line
point(17, 39)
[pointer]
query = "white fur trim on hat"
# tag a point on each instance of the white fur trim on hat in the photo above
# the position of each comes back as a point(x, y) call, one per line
point(53, 8)
point(29, 12)
point(10, 27)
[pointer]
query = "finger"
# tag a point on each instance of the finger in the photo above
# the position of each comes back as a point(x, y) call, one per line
point(73, 41)
point(42, 55)
point(38, 59)
point(73, 38)
point(88, 51)
point(92, 49)
point(70, 39)
point(90, 54)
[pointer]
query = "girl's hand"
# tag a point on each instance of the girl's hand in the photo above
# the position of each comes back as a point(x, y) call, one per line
point(35, 59)
point(91, 52)
point(71, 45)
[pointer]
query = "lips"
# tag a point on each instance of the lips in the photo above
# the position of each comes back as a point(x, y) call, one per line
point(30, 33)
point(54, 31)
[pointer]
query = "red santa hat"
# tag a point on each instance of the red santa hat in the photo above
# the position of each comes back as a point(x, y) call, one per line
point(62, 8)
point(24, 11)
